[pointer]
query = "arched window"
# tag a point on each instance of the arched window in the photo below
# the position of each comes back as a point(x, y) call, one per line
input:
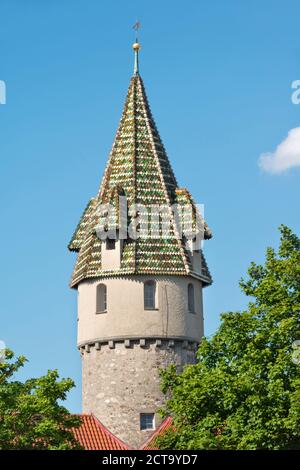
point(101, 298)
point(149, 295)
point(191, 298)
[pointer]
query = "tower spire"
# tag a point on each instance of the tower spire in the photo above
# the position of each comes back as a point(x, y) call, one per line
point(136, 47)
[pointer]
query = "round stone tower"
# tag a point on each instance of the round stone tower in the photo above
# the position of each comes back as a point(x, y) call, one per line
point(139, 295)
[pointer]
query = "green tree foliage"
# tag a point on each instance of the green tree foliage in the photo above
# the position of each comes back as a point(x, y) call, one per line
point(244, 393)
point(30, 415)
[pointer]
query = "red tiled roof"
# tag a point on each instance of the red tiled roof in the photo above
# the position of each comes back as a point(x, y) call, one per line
point(150, 443)
point(93, 435)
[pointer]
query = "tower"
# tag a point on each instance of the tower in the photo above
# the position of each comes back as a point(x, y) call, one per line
point(140, 294)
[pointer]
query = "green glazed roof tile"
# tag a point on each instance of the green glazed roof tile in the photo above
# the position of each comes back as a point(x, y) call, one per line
point(138, 167)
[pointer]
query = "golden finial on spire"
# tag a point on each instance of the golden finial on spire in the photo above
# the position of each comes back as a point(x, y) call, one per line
point(136, 47)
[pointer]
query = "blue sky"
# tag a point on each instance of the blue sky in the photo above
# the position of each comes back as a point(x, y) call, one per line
point(218, 76)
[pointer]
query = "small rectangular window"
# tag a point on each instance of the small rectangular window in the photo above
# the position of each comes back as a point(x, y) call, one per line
point(149, 295)
point(110, 244)
point(146, 421)
point(191, 298)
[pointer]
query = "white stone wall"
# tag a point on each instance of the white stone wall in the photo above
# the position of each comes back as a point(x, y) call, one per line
point(126, 317)
point(121, 382)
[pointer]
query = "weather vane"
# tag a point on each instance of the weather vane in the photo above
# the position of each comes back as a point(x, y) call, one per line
point(136, 27)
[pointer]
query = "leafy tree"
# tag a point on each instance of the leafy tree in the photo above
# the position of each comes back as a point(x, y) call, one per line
point(244, 392)
point(30, 416)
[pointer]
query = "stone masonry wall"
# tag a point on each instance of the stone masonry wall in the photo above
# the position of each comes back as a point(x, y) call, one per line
point(121, 380)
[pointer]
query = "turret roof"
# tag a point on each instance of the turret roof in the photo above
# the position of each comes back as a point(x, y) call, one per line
point(138, 167)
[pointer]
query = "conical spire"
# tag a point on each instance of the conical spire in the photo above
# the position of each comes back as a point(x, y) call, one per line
point(138, 161)
point(139, 168)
